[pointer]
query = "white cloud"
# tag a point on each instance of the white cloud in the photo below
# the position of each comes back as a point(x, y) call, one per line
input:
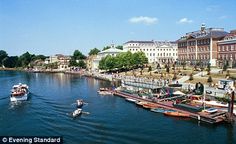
point(184, 21)
point(144, 20)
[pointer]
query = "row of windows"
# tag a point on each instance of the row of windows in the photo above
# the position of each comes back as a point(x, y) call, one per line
point(141, 44)
point(227, 48)
point(161, 54)
point(193, 57)
point(153, 49)
point(227, 56)
point(200, 49)
point(193, 43)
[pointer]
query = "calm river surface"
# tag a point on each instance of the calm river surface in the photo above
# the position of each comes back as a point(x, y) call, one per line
point(112, 120)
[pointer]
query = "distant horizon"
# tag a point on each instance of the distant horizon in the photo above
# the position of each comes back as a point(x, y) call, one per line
point(62, 26)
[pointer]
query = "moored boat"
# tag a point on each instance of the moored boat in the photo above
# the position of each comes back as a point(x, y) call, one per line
point(161, 110)
point(80, 103)
point(130, 100)
point(19, 92)
point(140, 103)
point(77, 112)
point(105, 91)
point(176, 114)
point(150, 105)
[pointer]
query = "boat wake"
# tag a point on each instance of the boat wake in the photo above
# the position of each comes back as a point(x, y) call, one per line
point(3, 98)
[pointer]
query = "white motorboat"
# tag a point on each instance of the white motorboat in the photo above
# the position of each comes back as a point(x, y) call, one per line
point(77, 112)
point(80, 103)
point(130, 100)
point(19, 92)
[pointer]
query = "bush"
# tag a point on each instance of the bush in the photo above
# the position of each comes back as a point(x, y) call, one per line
point(191, 77)
point(209, 80)
point(174, 77)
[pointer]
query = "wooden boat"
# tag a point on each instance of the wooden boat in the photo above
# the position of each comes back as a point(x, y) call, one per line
point(77, 112)
point(80, 103)
point(130, 100)
point(150, 105)
point(176, 114)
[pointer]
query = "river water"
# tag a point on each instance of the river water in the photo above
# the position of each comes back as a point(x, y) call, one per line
point(112, 120)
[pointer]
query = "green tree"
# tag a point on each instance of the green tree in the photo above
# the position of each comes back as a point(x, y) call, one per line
point(94, 51)
point(191, 77)
point(3, 55)
point(10, 62)
point(77, 55)
point(167, 69)
point(119, 47)
point(175, 76)
point(209, 80)
point(82, 64)
point(25, 59)
point(105, 48)
point(208, 69)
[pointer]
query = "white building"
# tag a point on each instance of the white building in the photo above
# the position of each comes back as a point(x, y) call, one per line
point(111, 51)
point(62, 61)
point(155, 51)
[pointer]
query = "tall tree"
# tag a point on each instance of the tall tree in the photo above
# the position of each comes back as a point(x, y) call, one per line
point(10, 62)
point(94, 51)
point(119, 47)
point(105, 48)
point(25, 59)
point(78, 55)
point(3, 54)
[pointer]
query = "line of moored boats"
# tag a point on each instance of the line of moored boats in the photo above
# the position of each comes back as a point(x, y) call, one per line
point(154, 108)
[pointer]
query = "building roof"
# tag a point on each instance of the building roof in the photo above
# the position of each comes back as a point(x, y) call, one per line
point(111, 50)
point(132, 41)
point(206, 33)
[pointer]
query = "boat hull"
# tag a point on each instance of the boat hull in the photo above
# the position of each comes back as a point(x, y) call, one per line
point(19, 98)
point(176, 114)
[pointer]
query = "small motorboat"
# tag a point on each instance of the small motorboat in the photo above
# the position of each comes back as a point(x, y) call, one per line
point(161, 110)
point(140, 103)
point(130, 100)
point(105, 91)
point(19, 92)
point(77, 112)
point(176, 114)
point(80, 103)
point(158, 110)
point(210, 110)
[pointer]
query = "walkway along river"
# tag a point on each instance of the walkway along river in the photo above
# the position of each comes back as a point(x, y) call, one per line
point(112, 120)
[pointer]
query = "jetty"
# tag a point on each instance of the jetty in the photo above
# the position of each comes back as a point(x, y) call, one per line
point(218, 117)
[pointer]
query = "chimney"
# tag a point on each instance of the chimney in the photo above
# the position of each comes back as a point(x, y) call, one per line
point(203, 27)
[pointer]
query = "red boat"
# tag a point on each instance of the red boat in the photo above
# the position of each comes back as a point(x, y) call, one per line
point(176, 114)
point(150, 105)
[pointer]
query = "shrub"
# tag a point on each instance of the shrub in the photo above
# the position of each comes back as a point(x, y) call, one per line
point(209, 80)
point(191, 77)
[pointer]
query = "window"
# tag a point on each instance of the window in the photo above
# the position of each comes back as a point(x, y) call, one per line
point(153, 54)
point(150, 54)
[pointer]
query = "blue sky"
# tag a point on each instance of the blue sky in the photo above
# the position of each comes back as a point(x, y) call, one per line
point(61, 26)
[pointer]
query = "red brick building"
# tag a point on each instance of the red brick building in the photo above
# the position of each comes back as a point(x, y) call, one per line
point(227, 50)
point(200, 46)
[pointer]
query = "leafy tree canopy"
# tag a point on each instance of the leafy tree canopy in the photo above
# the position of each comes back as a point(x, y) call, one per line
point(94, 51)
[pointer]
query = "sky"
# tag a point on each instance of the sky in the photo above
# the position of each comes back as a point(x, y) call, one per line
point(52, 27)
